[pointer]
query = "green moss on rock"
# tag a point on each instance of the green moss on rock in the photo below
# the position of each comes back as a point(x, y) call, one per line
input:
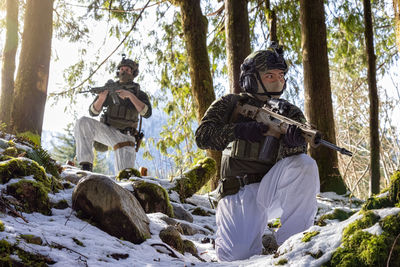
point(337, 214)
point(25, 258)
point(281, 262)
point(127, 173)
point(32, 239)
point(171, 236)
point(189, 247)
point(307, 237)
point(32, 195)
point(368, 220)
point(2, 227)
point(153, 198)
point(393, 195)
point(194, 179)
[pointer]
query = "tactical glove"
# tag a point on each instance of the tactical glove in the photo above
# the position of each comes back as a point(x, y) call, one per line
point(251, 131)
point(293, 136)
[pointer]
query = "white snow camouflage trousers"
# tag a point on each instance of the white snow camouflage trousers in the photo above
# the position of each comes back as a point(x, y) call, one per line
point(287, 191)
point(88, 130)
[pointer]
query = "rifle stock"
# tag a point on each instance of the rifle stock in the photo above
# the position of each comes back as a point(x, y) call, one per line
point(278, 125)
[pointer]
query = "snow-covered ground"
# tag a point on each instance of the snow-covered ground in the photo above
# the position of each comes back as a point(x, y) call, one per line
point(62, 233)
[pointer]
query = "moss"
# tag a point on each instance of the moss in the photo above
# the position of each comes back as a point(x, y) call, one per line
point(377, 203)
point(275, 224)
point(200, 212)
point(153, 198)
point(391, 200)
point(172, 237)
point(194, 179)
point(391, 224)
point(307, 236)
point(281, 262)
point(32, 195)
point(32, 239)
point(361, 248)
point(26, 258)
point(78, 242)
point(61, 205)
point(127, 173)
point(19, 167)
point(2, 227)
point(337, 214)
point(189, 247)
point(394, 188)
point(11, 151)
point(368, 220)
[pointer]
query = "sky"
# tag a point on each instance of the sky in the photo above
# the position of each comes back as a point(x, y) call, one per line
point(59, 230)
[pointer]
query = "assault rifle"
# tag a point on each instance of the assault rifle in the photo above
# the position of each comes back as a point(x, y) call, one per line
point(278, 124)
point(112, 87)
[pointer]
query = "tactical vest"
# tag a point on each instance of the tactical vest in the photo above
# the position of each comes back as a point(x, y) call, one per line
point(265, 152)
point(121, 116)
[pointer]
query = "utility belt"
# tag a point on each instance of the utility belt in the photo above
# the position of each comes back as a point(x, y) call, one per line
point(232, 185)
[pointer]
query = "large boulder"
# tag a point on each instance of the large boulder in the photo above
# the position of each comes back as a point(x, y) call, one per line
point(191, 181)
point(112, 208)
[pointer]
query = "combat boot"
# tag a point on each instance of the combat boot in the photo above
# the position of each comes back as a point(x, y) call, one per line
point(269, 243)
point(86, 166)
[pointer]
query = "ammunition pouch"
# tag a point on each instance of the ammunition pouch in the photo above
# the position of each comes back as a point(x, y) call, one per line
point(265, 151)
point(232, 185)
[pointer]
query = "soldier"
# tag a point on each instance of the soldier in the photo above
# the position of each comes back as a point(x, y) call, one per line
point(255, 188)
point(118, 124)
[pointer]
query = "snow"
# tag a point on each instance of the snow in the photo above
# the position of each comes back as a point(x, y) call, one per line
point(59, 231)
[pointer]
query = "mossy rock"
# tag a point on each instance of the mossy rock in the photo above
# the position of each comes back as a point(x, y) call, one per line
point(11, 151)
point(61, 205)
point(32, 239)
point(392, 198)
point(171, 236)
point(32, 195)
point(189, 247)
point(337, 214)
point(308, 236)
point(26, 258)
point(127, 173)
point(153, 198)
point(2, 227)
point(193, 180)
point(361, 248)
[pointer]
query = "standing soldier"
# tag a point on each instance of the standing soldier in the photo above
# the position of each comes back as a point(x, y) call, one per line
point(256, 187)
point(118, 124)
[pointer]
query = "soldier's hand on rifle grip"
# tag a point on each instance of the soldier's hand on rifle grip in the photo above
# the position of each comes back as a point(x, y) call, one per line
point(294, 137)
point(103, 94)
point(252, 131)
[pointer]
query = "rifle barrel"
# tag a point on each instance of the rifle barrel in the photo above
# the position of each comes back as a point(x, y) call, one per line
point(335, 147)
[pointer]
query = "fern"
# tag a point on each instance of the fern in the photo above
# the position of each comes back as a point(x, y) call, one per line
point(43, 158)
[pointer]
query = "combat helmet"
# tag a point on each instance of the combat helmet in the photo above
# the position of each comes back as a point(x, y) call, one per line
point(261, 61)
point(130, 63)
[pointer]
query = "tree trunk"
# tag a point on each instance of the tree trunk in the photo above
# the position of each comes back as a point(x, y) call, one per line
point(33, 70)
point(396, 7)
point(195, 31)
point(317, 89)
point(8, 68)
point(237, 40)
point(270, 15)
point(373, 100)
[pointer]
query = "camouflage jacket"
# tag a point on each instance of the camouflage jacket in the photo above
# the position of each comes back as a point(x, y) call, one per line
point(216, 131)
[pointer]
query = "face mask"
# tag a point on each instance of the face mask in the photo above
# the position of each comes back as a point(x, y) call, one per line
point(125, 77)
point(273, 87)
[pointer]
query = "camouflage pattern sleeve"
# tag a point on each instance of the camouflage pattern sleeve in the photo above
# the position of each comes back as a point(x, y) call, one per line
point(296, 114)
point(215, 130)
point(142, 96)
point(92, 111)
